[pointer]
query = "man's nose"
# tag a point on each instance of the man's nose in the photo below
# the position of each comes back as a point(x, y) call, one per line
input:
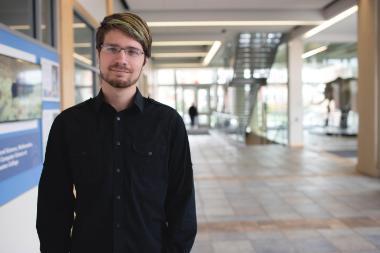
point(122, 56)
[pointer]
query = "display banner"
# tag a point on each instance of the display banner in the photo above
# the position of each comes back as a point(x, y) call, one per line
point(19, 152)
point(29, 102)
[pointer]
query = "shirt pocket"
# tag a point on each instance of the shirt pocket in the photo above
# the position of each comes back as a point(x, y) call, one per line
point(149, 160)
point(84, 166)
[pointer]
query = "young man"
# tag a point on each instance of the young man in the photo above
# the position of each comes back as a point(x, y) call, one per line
point(126, 157)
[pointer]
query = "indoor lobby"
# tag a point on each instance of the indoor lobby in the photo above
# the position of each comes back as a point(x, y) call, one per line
point(285, 142)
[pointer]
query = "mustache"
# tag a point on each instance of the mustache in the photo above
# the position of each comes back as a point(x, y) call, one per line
point(119, 67)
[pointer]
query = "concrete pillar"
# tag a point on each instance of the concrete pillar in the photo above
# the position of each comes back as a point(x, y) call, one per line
point(295, 103)
point(110, 9)
point(368, 87)
point(66, 51)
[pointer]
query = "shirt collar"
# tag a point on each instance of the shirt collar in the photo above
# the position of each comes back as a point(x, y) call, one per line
point(138, 100)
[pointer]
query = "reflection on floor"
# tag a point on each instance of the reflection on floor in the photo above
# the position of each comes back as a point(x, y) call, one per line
point(274, 199)
point(341, 146)
point(197, 130)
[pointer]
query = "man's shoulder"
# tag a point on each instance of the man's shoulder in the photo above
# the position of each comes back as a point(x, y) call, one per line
point(77, 110)
point(155, 105)
point(164, 112)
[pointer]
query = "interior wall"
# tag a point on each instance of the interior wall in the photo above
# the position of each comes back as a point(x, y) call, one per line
point(97, 8)
point(17, 224)
point(21, 140)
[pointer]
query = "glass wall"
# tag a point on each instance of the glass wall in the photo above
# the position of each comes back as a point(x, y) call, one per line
point(196, 76)
point(270, 115)
point(19, 16)
point(329, 93)
point(84, 46)
point(180, 88)
point(86, 80)
point(32, 18)
point(166, 95)
point(47, 21)
point(330, 89)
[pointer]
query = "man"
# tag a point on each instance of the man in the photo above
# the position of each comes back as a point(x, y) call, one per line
point(126, 157)
point(193, 112)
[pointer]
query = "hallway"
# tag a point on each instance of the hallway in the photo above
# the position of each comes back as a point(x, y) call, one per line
point(275, 199)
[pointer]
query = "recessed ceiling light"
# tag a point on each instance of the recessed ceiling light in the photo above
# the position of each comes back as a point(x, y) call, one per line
point(79, 25)
point(82, 58)
point(182, 43)
point(331, 21)
point(20, 27)
point(179, 55)
point(82, 45)
point(314, 52)
point(211, 53)
point(233, 23)
point(178, 65)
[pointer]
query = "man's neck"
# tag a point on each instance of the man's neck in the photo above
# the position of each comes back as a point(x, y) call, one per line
point(118, 98)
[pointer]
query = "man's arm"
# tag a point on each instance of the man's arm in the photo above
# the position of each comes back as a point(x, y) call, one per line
point(55, 207)
point(180, 204)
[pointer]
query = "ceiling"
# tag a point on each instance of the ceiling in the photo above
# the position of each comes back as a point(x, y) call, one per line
point(199, 23)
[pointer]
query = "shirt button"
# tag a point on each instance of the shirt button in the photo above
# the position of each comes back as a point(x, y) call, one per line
point(117, 225)
point(118, 197)
point(118, 170)
point(118, 118)
point(118, 143)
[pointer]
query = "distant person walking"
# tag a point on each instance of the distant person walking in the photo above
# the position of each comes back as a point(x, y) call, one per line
point(193, 112)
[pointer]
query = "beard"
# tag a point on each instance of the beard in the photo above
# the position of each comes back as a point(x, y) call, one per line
point(117, 82)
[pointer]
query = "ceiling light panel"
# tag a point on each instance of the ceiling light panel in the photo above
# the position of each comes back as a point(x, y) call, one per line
point(182, 43)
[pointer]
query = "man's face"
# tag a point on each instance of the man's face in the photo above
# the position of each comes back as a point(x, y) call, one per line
point(121, 69)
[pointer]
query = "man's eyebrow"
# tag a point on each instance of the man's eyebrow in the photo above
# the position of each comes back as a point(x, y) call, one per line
point(111, 44)
point(116, 45)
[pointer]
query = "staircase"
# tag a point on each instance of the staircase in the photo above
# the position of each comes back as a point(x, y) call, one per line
point(254, 57)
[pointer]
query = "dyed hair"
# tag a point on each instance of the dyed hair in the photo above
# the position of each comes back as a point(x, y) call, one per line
point(130, 24)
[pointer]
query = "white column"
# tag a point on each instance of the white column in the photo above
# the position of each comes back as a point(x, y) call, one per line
point(368, 87)
point(295, 103)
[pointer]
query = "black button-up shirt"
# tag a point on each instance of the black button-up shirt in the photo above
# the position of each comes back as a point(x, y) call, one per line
point(117, 182)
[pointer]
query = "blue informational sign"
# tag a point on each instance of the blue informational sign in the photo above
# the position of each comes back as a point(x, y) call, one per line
point(20, 162)
point(19, 152)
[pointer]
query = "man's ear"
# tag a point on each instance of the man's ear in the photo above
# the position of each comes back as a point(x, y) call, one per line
point(98, 56)
point(145, 60)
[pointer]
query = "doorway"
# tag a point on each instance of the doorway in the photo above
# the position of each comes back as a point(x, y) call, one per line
point(186, 95)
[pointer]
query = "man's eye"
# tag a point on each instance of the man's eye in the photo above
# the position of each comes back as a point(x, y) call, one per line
point(113, 50)
point(132, 52)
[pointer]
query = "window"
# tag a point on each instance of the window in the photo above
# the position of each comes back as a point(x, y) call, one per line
point(84, 80)
point(47, 21)
point(19, 16)
point(32, 18)
point(84, 36)
point(86, 84)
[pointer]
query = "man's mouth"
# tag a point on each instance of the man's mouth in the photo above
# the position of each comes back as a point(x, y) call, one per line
point(120, 70)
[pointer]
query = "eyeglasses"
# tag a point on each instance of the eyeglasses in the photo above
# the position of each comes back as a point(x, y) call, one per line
point(130, 51)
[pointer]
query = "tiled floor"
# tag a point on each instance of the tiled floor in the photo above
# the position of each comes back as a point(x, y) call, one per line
point(272, 198)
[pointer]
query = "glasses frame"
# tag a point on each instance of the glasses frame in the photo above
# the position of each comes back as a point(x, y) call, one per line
point(115, 50)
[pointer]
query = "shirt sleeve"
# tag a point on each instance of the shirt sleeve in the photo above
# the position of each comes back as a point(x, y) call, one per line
point(180, 204)
point(55, 206)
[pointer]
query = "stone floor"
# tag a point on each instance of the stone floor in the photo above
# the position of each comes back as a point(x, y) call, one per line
point(273, 199)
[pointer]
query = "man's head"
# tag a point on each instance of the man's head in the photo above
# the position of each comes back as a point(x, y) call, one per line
point(132, 25)
point(123, 42)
